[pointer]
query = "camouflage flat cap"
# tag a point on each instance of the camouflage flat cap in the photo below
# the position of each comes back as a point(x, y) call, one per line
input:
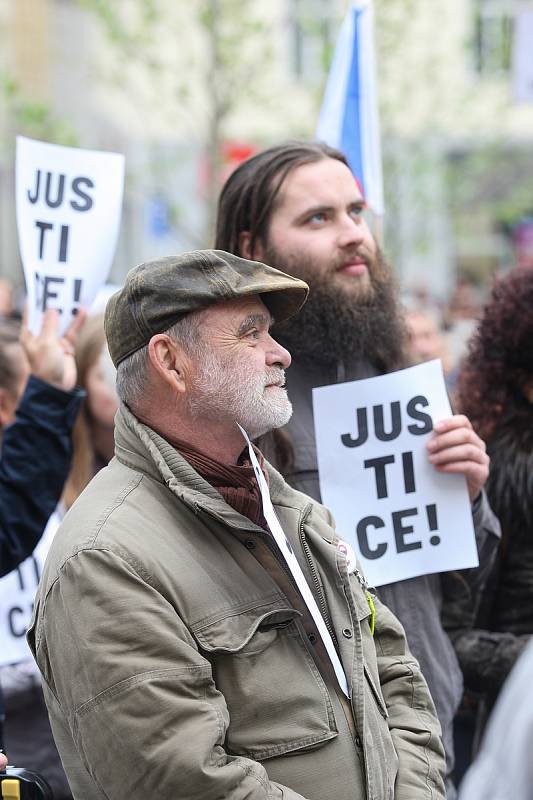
point(158, 293)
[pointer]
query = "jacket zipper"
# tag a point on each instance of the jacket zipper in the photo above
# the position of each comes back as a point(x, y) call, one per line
point(272, 546)
point(318, 586)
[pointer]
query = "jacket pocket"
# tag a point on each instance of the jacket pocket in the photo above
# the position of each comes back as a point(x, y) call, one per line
point(277, 700)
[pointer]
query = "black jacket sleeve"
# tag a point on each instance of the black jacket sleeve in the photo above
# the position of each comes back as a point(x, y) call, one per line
point(36, 453)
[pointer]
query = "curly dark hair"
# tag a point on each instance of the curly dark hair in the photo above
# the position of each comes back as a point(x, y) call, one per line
point(500, 357)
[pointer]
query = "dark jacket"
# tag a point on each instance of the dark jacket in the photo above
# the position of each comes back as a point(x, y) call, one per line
point(504, 623)
point(36, 453)
point(416, 602)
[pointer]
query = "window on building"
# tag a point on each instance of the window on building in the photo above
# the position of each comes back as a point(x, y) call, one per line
point(493, 34)
point(313, 27)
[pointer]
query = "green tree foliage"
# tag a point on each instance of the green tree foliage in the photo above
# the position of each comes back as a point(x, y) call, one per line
point(214, 80)
point(26, 117)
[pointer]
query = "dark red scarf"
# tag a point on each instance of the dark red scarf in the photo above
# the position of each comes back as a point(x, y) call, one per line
point(236, 483)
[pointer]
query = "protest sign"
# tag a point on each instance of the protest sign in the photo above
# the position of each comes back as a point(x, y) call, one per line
point(69, 203)
point(402, 517)
point(17, 594)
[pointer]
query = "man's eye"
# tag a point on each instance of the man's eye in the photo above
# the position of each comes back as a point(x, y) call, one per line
point(253, 333)
point(358, 210)
point(318, 217)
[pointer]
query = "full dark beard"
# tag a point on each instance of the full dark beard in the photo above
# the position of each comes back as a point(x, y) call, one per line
point(334, 326)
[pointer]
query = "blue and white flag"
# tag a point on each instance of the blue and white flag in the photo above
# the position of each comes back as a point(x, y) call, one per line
point(349, 117)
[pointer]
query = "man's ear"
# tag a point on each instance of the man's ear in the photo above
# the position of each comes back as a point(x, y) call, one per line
point(245, 248)
point(169, 360)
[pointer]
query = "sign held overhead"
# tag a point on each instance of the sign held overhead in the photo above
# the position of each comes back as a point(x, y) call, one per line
point(69, 204)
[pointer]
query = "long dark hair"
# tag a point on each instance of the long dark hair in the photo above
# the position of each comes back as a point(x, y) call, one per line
point(249, 196)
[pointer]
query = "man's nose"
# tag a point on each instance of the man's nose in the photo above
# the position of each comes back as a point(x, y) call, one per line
point(351, 231)
point(277, 355)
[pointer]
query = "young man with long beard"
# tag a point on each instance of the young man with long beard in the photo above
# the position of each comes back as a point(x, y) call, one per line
point(298, 207)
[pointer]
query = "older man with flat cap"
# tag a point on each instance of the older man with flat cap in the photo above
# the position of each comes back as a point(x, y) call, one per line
point(201, 629)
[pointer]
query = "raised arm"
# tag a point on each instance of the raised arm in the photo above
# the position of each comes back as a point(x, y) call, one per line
point(36, 449)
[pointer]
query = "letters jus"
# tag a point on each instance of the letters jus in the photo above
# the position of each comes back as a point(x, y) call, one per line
point(54, 195)
point(425, 423)
point(54, 199)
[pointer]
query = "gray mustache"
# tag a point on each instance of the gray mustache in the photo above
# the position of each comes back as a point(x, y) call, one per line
point(274, 375)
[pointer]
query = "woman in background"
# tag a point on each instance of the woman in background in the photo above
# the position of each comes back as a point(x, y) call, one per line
point(93, 434)
point(28, 736)
point(496, 391)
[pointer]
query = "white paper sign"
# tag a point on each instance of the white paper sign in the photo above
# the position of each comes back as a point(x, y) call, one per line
point(69, 203)
point(402, 517)
point(17, 593)
point(292, 562)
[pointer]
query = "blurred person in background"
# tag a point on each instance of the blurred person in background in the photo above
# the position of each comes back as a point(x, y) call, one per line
point(461, 316)
point(14, 370)
point(93, 435)
point(7, 304)
point(426, 339)
point(504, 767)
point(298, 207)
point(496, 391)
point(37, 414)
point(28, 736)
point(38, 407)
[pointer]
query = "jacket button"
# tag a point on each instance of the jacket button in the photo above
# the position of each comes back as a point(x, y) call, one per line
point(358, 741)
point(250, 544)
point(347, 633)
point(312, 638)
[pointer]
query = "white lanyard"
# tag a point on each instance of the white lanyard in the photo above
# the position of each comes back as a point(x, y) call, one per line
point(296, 571)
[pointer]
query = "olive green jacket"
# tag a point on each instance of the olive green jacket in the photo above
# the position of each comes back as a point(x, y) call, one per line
point(175, 668)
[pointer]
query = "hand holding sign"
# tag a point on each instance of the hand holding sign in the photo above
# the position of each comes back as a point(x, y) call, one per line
point(402, 516)
point(51, 357)
point(456, 448)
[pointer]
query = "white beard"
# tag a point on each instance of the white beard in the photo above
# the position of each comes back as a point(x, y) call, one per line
point(226, 390)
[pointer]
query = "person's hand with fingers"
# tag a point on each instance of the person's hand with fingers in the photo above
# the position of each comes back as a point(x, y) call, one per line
point(454, 447)
point(51, 357)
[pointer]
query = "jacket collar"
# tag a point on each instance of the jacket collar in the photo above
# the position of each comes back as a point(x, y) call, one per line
point(142, 449)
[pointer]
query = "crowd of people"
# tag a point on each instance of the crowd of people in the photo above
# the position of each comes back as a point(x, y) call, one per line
point(200, 628)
